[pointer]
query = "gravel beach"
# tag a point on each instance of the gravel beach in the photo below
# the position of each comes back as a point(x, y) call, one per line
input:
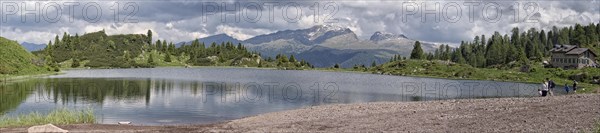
point(569, 113)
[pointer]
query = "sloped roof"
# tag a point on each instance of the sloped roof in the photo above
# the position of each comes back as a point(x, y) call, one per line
point(562, 48)
point(578, 51)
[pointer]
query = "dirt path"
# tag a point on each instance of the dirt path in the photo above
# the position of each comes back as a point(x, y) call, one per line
point(572, 113)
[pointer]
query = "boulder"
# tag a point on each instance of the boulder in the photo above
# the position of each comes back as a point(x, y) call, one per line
point(48, 128)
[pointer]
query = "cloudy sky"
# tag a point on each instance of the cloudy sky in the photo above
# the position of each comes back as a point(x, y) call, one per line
point(184, 20)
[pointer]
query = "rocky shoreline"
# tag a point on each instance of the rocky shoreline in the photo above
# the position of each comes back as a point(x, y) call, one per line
point(569, 113)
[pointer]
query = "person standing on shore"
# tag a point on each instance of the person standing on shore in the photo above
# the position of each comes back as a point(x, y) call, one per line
point(574, 86)
point(567, 88)
point(551, 86)
point(544, 88)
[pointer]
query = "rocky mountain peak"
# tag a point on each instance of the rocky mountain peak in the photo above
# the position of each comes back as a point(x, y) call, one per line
point(378, 36)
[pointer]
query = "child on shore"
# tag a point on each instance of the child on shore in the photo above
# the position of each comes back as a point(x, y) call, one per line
point(566, 88)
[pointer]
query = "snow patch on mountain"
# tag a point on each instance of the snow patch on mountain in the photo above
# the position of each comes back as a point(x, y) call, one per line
point(379, 36)
point(311, 36)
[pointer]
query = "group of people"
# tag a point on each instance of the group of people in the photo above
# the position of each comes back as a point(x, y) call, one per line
point(548, 87)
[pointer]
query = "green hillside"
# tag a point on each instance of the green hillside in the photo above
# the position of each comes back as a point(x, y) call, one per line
point(15, 60)
point(95, 49)
point(99, 50)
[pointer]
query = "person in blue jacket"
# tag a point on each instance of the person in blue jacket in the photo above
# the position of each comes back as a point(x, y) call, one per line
point(567, 88)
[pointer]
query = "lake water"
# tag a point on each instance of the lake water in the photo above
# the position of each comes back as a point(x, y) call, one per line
point(167, 96)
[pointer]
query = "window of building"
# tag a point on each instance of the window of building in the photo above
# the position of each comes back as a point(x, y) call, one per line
point(560, 60)
point(586, 61)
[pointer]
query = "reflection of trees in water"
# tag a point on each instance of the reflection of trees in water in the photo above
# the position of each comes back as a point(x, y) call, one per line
point(66, 90)
point(13, 94)
point(162, 87)
point(97, 90)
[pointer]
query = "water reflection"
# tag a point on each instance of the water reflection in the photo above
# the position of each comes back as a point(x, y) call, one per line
point(13, 94)
point(176, 96)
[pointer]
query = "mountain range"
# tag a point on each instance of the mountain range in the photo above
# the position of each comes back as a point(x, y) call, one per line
point(326, 45)
point(321, 45)
point(32, 46)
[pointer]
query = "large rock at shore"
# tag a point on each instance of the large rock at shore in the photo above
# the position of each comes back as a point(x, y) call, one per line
point(48, 128)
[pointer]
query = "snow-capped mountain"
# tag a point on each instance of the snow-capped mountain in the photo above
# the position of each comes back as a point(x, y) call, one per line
point(379, 36)
point(311, 36)
point(385, 41)
point(326, 45)
point(300, 40)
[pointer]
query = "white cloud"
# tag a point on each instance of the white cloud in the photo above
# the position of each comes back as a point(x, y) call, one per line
point(183, 21)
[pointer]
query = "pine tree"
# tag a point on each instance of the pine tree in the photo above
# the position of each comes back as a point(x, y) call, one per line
point(240, 47)
point(282, 58)
point(164, 46)
point(495, 54)
point(149, 34)
point(580, 37)
point(48, 49)
point(157, 45)
point(544, 41)
point(171, 48)
point(457, 56)
point(56, 41)
point(447, 53)
point(563, 37)
point(151, 59)
point(373, 64)
point(592, 34)
point(292, 58)
point(429, 56)
point(483, 41)
point(417, 52)
point(167, 57)
point(511, 53)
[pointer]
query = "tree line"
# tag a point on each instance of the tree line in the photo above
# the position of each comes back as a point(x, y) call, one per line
point(518, 48)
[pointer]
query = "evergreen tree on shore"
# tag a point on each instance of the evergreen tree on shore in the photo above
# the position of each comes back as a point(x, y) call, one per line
point(417, 52)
